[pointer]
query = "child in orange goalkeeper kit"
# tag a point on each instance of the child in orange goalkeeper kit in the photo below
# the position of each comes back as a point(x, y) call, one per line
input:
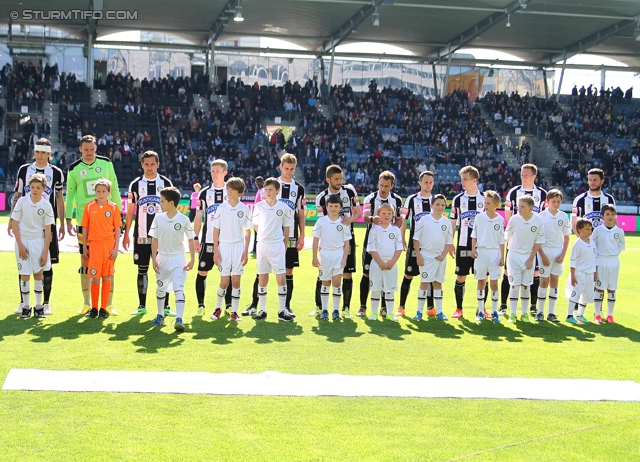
point(101, 223)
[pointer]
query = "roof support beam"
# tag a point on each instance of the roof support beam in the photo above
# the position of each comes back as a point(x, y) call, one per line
point(592, 40)
point(222, 21)
point(352, 23)
point(480, 28)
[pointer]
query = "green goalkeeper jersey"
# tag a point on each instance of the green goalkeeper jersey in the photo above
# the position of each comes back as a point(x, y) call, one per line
point(81, 181)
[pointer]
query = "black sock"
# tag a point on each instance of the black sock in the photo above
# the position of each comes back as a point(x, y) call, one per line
point(19, 287)
point(143, 282)
point(289, 291)
point(504, 290)
point(347, 290)
point(364, 290)
point(318, 299)
point(47, 281)
point(166, 300)
point(227, 296)
point(201, 285)
point(404, 290)
point(459, 291)
point(254, 295)
point(430, 301)
point(533, 290)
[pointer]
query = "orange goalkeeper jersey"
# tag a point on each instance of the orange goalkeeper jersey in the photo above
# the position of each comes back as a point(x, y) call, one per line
point(101, 221)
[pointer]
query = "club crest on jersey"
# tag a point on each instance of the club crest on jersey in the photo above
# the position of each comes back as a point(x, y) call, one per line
point(616, 236)
point(560, 223)
point(48, 178)
point(177, 226)
point(340, 228)
point(392, 236)
point(240, 214)
point(345, 200)
point(534, 229)
point(496, 227)
point(98, 169)
point(151, 209)
point(279, 212)
point(40, 212)
point(443, 227)
point(289, 203)
point(293, 194)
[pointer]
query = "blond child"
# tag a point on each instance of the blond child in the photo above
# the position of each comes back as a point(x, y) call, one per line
point(101, 225)
point(557, 230)
point(31, 222)
point(487, 251)
point(524, 235)
point(385, 246)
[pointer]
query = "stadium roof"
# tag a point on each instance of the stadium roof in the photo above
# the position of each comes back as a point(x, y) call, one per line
point(541, 32)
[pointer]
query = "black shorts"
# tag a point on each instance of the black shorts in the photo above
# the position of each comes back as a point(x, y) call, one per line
point(205, 259)
point(142, 251)
point(464, 262)
point(54, 249)
point(366, 261)
point(80, 243)
point(411, 267)
point(292, 260)
point(351, 258)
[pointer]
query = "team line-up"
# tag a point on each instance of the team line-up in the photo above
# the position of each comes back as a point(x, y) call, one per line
point(528, 254)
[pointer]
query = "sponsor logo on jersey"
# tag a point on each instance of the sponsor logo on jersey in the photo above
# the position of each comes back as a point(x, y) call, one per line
point(212, 209)
point(420, 216)
point(155, 200)
point(288, 203)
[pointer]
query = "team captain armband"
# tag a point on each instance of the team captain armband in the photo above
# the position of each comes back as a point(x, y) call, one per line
point(404, 211)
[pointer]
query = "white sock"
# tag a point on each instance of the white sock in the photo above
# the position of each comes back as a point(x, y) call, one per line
point(495, 297)
point(524, 299)
point(542, 298)
point(513, 300)
point(282, 298)
point(220, 297)
point(262, 298)
point(581, 308)
point(572, 306)
point(235, 299)
point(553, 298)
point(37, 291)
point(437, 298)
point(179, 304)
point(337, 296)
point(389, 299)
point(160, 296)
point(422, 298)
point(597, 302)
point(375, 301)
point(611, 302)
point(324, 297)
point(480, 295)
point(25, 288)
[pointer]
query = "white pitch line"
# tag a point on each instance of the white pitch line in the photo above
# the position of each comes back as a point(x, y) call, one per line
point(271, 383)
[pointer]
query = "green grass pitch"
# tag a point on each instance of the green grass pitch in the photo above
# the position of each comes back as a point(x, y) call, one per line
point(121, 426)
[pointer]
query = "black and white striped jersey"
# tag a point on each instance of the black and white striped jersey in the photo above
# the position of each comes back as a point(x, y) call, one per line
point(464, 210)
point(539, 197)
point(292, 194)
point(348, 196)
point(55, 180)
point(208, 201)
point(588, 206)
point(415, 208)
point(145, 194)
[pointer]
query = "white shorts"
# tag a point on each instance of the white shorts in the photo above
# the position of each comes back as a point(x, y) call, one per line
point(32, 264)
point(231, 257)
point(271, 258)
point(172, 274)
point(488, 261)
point(608, 270)
point(582, 292)
point(519, 275)
point(383, 281)
point(433, 270)
point(330, 264)
point(554, 267)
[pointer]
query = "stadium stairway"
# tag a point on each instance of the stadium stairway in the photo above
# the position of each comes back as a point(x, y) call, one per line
point(98, 96)
point(201, 103)
point(505, 140)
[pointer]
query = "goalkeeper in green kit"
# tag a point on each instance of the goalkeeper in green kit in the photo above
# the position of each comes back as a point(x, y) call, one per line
point(81, 180)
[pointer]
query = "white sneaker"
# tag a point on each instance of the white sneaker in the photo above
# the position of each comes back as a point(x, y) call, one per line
point(373, 317)
point(19, 309)
point(316, 312)
point(391, 317)
point(111, 311)
point(47, 309)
